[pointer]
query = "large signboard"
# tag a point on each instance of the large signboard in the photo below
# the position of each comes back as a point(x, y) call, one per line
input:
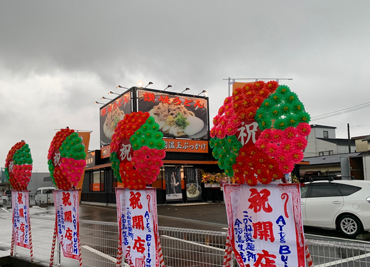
point(171, 145)
point(187, 146)
point(265, 224)
point(111, 114)
point(177, 115)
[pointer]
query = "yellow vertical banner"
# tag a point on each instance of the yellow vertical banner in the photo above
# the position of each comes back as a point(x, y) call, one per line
point(85, 136)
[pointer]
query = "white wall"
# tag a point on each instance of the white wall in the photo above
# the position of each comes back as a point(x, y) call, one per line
point(322, 146)
point(344, 149)
point(366, 162)
point(313, 145)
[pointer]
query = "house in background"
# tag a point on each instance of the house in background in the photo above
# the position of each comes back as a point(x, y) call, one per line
point(362, 143)
point(330, 156)
point(322, 141)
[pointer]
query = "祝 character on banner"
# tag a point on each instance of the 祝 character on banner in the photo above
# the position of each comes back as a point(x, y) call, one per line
point(67, 214)
point(258, 135)
point(137, 150)
point(137, 217)
point(66, 160)
point(21, 219)
point(18, 170)
point(265, 225)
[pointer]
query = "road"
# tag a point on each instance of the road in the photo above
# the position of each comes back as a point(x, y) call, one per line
point(202, 216)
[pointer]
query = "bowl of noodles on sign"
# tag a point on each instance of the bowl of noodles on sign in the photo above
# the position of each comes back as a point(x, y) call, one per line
point(193, 190)
point(177, 120)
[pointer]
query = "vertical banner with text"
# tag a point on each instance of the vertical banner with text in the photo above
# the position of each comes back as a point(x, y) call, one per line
point(21, 219)
point(138, 226)
point(67, 220)
point(265, 224)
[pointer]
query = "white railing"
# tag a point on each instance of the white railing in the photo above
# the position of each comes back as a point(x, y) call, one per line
point(181, 247)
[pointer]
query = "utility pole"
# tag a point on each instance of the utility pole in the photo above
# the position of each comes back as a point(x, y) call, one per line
point(349, 139)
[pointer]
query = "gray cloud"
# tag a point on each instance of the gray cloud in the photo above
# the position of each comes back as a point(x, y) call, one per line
point(57, 58)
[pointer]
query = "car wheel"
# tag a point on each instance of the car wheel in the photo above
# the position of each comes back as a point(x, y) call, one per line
point(350, 226)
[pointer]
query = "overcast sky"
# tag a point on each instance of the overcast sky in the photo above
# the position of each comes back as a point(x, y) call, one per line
point(58, 57)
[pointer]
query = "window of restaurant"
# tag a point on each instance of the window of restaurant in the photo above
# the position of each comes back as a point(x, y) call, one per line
point(97, 181)
point(160, 182)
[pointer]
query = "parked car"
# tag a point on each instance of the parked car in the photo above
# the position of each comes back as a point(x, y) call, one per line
point(6, 199)
point(341, 204)
point(44, 195)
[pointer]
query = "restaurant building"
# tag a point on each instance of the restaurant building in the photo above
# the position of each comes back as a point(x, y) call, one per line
point(188, 154)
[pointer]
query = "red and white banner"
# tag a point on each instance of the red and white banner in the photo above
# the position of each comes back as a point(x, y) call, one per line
point(138, 227)
point(67, 221)
point(265, 225)
point(21, 219)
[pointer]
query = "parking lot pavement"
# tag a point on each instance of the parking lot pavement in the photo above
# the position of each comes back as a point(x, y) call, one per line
point(203, 216)
point(6, 224)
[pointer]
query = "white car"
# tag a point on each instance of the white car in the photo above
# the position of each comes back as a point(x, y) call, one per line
point(341, 204)
point(6, 199)
point(44, 196)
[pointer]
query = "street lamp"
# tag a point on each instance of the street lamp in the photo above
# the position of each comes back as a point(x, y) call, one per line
point(110, 93)
point(96, 102)
point(119, 86)
point(103, 97)
point(203, 92)
point(187, 89)
point(148, 84)
point(168, 86)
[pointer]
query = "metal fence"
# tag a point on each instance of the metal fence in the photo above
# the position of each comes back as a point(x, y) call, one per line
point(181, 247)
point(339, 254)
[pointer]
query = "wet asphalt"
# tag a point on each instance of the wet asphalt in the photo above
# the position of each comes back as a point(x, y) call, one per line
point(202, 216)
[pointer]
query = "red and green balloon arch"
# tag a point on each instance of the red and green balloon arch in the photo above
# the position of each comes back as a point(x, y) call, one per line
point(260, 132)
point(66, 159)
point(18, 166)
point(137, 150)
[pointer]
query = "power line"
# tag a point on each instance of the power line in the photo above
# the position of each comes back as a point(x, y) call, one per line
point(338, 112)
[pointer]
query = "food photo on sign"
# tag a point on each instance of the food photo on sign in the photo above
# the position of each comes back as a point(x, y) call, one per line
point(177, 115)
point(111, 114)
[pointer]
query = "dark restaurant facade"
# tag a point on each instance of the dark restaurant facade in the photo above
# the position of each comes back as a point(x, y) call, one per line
point(184, 121)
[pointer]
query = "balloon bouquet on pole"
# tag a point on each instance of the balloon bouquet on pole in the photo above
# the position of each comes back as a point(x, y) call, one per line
point(258, 135)
point(137, 150)
point(18, 170)
point(66, 160)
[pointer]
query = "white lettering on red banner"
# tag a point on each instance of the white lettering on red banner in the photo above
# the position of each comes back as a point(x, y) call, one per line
point(138, 226)
point(21, 218)
point(185, 146)
point(265, 224)
point(67, 216)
